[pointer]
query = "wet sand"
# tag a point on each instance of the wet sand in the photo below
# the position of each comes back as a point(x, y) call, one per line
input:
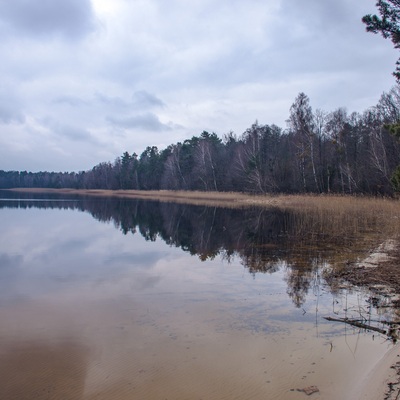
point(383, 382)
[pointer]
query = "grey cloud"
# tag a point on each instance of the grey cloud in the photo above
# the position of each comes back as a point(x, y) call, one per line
point(70, 132)
point(140, 100)
point(112, 101)
point(68, 18)
point(72, 101)
point(331, 24)
point(9, 115)
point(10, 108)
point(147, 121)
point(145, 99)
point(76, 134)
point(319, 37)
point(328, 15)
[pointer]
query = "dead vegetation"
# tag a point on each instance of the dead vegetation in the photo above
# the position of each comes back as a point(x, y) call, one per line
point(383, 278)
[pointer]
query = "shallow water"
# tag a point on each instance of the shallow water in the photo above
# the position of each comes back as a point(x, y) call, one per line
point(134, 300)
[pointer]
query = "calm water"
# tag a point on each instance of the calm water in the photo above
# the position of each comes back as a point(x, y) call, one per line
point(124, 299)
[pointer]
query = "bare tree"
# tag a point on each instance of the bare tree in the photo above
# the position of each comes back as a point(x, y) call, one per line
point(301, 123)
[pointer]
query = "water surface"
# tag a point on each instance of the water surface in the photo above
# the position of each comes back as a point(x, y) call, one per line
point(125, 299)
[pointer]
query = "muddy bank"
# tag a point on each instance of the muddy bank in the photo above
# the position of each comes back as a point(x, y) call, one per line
point(379, 272)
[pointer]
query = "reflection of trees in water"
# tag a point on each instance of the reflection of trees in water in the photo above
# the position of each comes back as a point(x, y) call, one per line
point(264, 239)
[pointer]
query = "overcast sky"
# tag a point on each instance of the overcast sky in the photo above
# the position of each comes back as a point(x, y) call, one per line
point(82, 81)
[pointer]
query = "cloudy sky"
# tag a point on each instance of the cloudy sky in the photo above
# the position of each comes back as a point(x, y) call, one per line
point(82, 81)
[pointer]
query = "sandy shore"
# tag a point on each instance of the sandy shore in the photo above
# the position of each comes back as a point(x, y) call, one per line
point(383, 381)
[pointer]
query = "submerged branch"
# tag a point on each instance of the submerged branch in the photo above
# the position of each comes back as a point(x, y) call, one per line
point(356, 324)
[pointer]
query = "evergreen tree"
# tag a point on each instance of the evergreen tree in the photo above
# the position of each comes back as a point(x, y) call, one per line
point(388, 25)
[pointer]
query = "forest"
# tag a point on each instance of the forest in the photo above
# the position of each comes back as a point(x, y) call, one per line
point(318, 152)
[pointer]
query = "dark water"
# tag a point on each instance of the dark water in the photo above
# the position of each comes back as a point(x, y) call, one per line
point(127, 299)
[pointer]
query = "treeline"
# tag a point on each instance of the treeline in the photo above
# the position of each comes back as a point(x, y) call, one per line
point(319, 152)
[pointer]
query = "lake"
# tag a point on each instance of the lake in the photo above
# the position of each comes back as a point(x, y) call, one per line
point(106, 298)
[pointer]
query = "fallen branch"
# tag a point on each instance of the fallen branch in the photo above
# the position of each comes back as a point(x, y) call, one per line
point(356, 324)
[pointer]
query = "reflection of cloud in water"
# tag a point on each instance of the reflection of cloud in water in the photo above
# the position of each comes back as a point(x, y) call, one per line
point(145, 282)
point(71, 245)
point(9, 265)
point(135, 259)
point(10, 270)
point(66, 253)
